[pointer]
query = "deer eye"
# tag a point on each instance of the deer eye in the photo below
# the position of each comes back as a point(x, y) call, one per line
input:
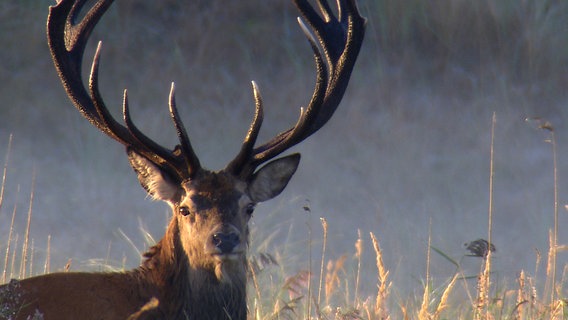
point(184, 211)
point(250, 208)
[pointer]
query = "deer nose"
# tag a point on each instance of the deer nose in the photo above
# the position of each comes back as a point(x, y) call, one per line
point(226, 242)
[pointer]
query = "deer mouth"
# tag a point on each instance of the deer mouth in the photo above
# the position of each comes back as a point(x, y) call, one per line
point(221, 253)
point(231, 256)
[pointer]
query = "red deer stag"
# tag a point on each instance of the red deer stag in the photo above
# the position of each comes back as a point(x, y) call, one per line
point(198, 270)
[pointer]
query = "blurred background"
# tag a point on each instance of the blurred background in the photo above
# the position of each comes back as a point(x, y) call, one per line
point(406, 156)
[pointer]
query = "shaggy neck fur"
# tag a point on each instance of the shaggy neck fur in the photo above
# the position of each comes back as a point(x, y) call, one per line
point(186, 292)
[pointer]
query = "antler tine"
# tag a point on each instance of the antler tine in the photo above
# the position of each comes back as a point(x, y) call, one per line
point(108, 124)
point(340, 40)
point(239, 165)
point(161, 156)
point(191, 160)
point(292, 136)
point(67, 40)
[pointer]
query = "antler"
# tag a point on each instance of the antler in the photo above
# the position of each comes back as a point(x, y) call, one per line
point(340, 39)
point(67, 40)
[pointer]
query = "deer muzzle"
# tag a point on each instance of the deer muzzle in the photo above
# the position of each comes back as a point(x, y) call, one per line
point(225, 242)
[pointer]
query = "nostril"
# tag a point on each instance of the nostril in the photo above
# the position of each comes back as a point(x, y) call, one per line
point(225, 242)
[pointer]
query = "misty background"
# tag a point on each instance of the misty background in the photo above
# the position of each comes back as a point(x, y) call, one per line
point(405, 156)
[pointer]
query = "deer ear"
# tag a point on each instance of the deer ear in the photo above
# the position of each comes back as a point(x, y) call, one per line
point(272, 178)
point(158, 183)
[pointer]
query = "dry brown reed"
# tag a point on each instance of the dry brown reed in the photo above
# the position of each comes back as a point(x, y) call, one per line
point(47, 265)
point(484, 278)
point(423, 313)
point(324, 228)
point(25, 246)
point(358, 255)
point(2, 190)
point(252, 272)
point(519, 309)
point(483, 286)
point(381, 311)
point(443, 304)
point(8, 248)
point(333, 279)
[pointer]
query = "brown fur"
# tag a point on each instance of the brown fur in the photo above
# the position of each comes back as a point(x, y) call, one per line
point(182, 291)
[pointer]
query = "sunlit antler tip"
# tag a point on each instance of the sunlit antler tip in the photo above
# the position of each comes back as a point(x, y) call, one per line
point(173, 95)
point(255, 90)
point(125, 109)
point(306, 30)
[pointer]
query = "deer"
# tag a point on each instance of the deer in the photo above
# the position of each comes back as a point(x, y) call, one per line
point(198, 270)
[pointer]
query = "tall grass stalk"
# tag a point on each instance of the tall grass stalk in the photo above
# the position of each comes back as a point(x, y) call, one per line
point(381, 311)
point(358, 255)
point(24, 260)
point(550, 284)
point(482, 310)
point(484, 283)
point(47, 267)
point(310, 242)
point(5, 171)
point(31, 263)
point(324, 227)
point(8, 247)
point(518, 311)
point(258, 306)
point(443, 304)
point(554, 244)
point(13, 263)
point(2, 190)
point(423, 314)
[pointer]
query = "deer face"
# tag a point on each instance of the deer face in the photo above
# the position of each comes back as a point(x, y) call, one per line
point(212, 209)
point(213, 216)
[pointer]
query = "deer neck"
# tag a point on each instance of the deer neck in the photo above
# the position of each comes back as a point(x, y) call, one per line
point(187, 291)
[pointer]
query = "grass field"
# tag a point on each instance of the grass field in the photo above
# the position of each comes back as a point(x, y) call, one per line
point(406, 157)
